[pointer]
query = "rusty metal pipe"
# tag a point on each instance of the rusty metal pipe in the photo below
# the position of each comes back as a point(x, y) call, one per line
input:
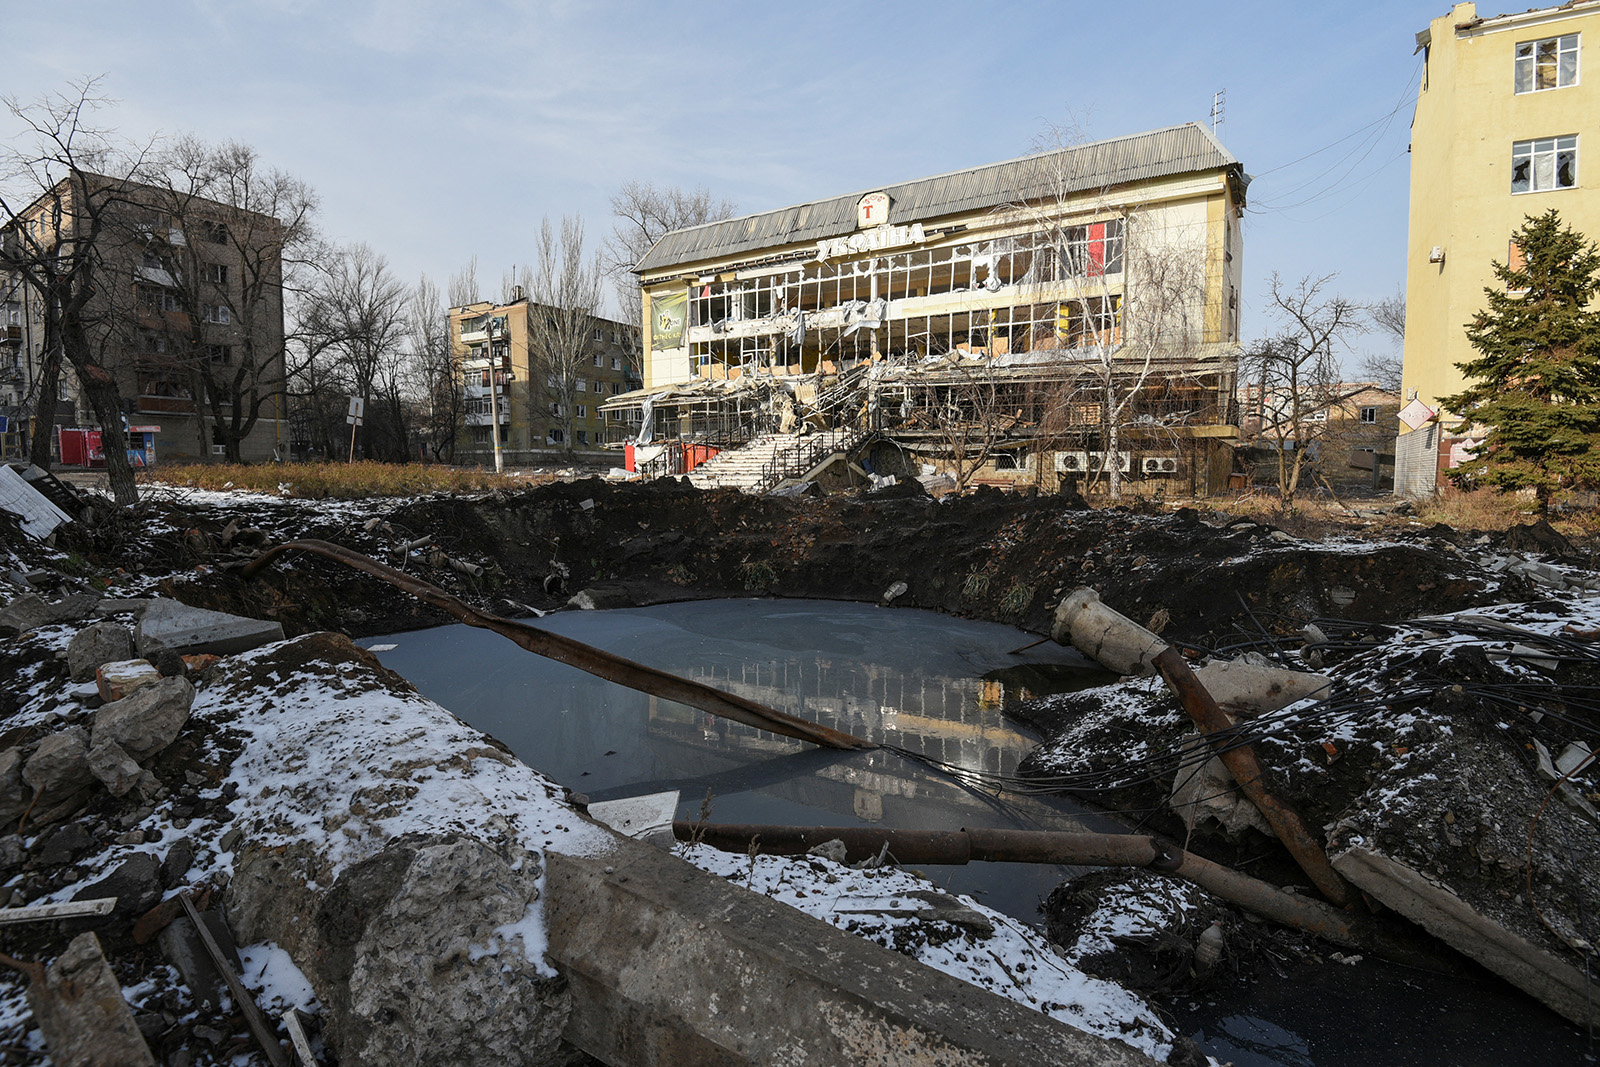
point(959, 847)
point(601, 664)
point(1246, 769)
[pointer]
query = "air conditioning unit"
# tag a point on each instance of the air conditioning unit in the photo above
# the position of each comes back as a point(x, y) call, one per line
point(1072, 462)
point(1097, 461)
point(1158, 464)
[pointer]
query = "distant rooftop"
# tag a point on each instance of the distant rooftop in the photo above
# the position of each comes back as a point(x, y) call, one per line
point(1161, 153)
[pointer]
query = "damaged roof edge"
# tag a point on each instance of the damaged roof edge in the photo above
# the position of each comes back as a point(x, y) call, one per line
point(1155, 153)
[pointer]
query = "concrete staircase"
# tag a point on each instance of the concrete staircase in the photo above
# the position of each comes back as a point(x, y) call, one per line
point(770, 459)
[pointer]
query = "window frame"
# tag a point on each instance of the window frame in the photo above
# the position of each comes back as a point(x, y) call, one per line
point(1527, 154)
point(1526, 56)
point(1369, 414)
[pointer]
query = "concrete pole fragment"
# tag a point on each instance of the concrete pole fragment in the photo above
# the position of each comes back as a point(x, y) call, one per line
point(79, 1008)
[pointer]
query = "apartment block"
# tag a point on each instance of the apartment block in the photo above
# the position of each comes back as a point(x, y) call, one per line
point(1504, 121)
point(505, 377)
point(186, 315)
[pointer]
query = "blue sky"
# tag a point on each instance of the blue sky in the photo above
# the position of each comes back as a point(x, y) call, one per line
point(435, 131)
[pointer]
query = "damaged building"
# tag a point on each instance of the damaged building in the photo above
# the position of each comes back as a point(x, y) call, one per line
point(1070, 314)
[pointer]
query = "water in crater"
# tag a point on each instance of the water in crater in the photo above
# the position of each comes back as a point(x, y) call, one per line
point(912, 679)
point(930, 684)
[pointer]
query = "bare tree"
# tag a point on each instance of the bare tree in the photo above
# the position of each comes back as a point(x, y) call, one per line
point(968, 407)
point(1388, 368)
point(61, 183)
point(564, 292)
point(1134, 284)
point(356, 317)
point(643, 214)
point(248, 234)
point(464, 285)
point(1293, 376)
point(434, 382)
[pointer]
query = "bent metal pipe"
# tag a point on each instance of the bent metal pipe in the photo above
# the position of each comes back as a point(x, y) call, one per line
point(601, 664)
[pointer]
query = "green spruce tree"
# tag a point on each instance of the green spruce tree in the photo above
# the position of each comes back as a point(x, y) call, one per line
point(1535, 383)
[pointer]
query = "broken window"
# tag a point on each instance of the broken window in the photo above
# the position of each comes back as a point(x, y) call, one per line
point(155, 298)
point(1542, 165)
point(1551, 63)
point(1095, 250)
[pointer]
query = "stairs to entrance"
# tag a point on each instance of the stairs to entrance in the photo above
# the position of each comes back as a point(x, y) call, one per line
point(772, 458)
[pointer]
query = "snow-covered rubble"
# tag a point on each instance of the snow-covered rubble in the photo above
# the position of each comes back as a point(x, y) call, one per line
point(953, 934)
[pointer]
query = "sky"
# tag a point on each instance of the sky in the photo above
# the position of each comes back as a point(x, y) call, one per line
point(438, 131)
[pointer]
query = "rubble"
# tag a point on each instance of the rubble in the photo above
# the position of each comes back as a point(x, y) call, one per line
point(147, 720)
point(171, 626)
point(31, 611)
point(78, 1004)
point(96, 645)
point(336, 798)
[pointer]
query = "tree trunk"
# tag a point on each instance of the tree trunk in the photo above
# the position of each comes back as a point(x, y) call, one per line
point(1114, 458)
point(101, 391)
point(44, 410)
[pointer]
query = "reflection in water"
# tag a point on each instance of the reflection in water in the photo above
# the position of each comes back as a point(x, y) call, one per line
point(1246, 1039)
point(915, 680)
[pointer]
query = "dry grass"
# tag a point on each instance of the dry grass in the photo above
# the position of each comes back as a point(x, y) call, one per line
point(339, 481)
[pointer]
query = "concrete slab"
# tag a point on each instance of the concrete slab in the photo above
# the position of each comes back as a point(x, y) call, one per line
point(1446, 916)
point(170, 625)
point(670, 965)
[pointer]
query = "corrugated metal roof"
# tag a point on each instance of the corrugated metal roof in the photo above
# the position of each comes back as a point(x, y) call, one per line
point(1099, 164)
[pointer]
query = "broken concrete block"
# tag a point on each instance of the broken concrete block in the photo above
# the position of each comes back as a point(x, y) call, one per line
point(169, 625)
point(136, 883)
point(148, 720)
point(1247, 688)
point(1561, 986)
point(415, 909)
point(95, 645)
point(119, 678)
point(80, 1011)
point(30, 611)
point(59, 767)
point(14, 795)
point(110, 606)
point(110, 763)
point(181, 945)
point(1210, 792)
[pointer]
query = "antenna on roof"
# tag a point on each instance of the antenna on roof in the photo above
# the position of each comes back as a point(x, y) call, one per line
point(1219, 104)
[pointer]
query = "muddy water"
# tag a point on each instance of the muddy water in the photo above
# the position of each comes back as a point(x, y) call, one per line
point(912, 679)
point(931, 684)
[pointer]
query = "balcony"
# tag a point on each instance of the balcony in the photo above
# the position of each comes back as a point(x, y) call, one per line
point(175, 405)
point(484, 419)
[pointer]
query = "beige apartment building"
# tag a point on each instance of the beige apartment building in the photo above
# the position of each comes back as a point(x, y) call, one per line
point(1504, 119)
point(186, 315)
point(1036, 287)
point(504, 378)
